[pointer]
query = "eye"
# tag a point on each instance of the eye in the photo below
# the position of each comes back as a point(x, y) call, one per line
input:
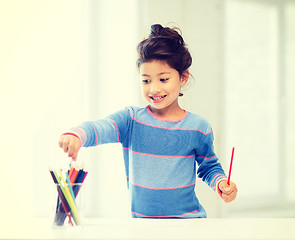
point(145, 81)
point(164, 79)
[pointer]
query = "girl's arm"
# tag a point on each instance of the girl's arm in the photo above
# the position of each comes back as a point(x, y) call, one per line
point(112, 129)
point(209, 170)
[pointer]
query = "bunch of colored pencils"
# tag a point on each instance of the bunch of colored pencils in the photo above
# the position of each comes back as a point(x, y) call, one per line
point(68, 185)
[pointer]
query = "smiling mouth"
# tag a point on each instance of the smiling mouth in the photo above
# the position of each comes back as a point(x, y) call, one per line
point(157, 99)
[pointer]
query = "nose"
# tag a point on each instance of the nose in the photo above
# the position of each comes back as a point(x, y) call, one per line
point(155, 88)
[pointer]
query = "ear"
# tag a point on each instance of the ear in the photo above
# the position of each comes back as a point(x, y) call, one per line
point(184, 77)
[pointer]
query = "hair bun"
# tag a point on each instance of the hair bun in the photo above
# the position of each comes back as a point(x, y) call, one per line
point(156, 30)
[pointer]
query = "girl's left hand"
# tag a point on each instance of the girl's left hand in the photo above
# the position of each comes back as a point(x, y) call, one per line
point(229, 192)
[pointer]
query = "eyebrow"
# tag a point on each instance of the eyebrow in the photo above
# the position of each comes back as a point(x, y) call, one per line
point(162, 73)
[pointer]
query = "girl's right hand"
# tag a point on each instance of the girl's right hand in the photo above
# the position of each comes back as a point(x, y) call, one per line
point(71, 145)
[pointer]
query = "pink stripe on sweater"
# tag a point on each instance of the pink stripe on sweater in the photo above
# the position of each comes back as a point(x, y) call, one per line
point(163, 188)
point(116, 129)
point(207, 157)
point(216, 179)
point(82, 134)
point(154, 155)
point(184, 129)
point(181, 215)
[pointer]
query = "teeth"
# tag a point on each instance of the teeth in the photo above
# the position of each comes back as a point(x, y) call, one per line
point(157, 98)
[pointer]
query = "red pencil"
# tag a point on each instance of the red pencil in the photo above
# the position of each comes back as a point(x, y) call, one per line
point(231, 164)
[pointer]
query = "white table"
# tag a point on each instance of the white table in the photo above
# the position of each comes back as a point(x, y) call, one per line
point(216, 228)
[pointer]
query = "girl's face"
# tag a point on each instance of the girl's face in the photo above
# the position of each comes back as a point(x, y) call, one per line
point(161, 84)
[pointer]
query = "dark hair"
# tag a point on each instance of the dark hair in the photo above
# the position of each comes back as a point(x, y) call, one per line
point(165, 44)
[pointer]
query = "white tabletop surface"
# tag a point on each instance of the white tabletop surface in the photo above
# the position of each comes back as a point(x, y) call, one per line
point(214, 228)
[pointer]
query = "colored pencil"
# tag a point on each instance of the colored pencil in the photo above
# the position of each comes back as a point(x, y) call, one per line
point(74, 175)
point(79, 182)
point(71, 171)
point(70, 186)
point(70, 200)
point(66, 207)
point(230, 167)
point(66, 200)
point(64, 197)
point(55, 181)
point(62, 203)
point(79, 187)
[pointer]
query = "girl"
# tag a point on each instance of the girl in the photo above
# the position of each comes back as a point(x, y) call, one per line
point(162, 143)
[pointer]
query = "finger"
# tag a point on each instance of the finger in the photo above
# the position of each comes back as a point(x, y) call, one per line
point(228, 189)
point(71, 149)
point(75, 156)
point(232, 197)
point(224, 187)
point(60, 143)
point(229, 192)
point(66, 144)
point(232, 188)
point(229, 197)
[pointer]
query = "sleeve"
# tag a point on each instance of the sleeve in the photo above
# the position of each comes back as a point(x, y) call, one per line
point(112, 129)
point(209, 170)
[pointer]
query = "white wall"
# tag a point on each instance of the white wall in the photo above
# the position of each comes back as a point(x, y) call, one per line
point(62, 63)
point(112, 85)
point(40, 95)
point(259, 50)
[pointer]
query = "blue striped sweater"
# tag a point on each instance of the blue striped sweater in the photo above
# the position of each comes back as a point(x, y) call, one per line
point(162, 159)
